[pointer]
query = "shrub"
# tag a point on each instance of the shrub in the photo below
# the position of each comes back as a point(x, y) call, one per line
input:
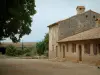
point(26, 50)
point(19, 52)
point(40, 46)
point(28, 54)
point(11, 50)
point(46, 53)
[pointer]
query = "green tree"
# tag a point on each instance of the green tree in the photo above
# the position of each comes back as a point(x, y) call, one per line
point(16, 18)
point(42, 47)
point(46, 40)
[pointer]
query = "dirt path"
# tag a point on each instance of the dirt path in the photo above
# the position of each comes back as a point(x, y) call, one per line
point(44, 67)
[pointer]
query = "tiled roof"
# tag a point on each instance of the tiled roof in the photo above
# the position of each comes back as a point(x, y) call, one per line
point(56, 23)
point(86, 35)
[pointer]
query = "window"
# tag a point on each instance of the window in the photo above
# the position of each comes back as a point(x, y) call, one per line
point(63, 51)
point(80, 8)
point(99, 48)
point(61, 33)
point(86, 16)
point(87, 48)
point(96, 49)
point(56, 51)
point(73, 48)
point(93, 16)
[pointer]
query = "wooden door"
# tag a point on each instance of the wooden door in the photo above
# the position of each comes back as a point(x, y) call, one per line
point(80, 53)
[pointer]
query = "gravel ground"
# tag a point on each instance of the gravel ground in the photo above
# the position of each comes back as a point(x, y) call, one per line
point(44, 67)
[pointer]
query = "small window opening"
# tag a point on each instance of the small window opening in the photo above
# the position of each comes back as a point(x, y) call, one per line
point(87, 48)
point(86, 16)
point(73, 48)
point(80, 8)
point(93, 16)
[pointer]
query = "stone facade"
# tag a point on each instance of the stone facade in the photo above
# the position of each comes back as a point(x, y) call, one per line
point(53, 38)
point(77, 24)
point(92, 55)
point(75, 50)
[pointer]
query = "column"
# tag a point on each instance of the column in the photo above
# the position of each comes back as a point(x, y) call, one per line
point(83, 50)
point(91, 49)
point(59, 49)
point(70, 48)
point(66, 50)
point(77, 51)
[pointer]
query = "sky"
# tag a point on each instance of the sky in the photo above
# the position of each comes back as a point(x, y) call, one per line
point(51, 11)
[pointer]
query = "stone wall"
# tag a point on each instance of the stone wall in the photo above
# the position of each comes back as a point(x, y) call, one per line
point(77, 24)
point(53, 38)
point(69, 55)
point(74, 56)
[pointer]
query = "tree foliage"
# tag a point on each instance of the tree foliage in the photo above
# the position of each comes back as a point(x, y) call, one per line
point(16, 18)
point(46, 41)
point(42, 47)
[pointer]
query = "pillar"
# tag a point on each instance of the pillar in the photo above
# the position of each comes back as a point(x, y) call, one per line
point(77, 51)
point(91, 49)
point(83, 50)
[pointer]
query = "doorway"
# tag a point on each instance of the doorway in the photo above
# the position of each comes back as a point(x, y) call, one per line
point(63, 51)
point(56, 51)
point(3, 50)
point(80, 53)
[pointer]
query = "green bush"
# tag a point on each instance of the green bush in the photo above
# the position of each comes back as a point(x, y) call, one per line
point(46, 53)
point(28, 54)
point(26, 50)
point(11, 50)
point(19, 52)
point(42, 46)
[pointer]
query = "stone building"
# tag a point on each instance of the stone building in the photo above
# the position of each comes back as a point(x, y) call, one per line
point(76, 38)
